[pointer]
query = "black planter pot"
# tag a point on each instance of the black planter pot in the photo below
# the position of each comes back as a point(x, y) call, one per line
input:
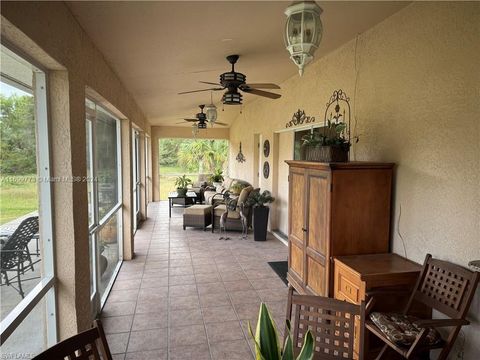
point(260, 222)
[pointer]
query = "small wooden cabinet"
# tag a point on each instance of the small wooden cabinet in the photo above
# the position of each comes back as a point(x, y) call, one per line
point(335, 209)
point(356, 275)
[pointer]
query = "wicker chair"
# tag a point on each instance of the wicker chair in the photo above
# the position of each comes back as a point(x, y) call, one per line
point(86, 345)
point(331, 321)
point(15, 256)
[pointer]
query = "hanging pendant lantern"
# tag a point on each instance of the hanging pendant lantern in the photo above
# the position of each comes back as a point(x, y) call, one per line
point(194, 131)
point(211, 111)
point(303, 32)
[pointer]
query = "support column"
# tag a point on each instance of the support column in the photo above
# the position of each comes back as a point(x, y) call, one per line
point(127, 186)
point(70, 213)
point(155, 169)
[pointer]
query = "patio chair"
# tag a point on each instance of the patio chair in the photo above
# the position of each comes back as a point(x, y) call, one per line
point(14, 254)
point(443, 286)
point(331, 321)
point(89, 344)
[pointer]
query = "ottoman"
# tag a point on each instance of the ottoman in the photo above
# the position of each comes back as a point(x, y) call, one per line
point(199, 216)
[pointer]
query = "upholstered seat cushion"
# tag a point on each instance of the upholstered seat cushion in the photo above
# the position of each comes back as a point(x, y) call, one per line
point(401, 329)
point(198, 210)
point(220, 209)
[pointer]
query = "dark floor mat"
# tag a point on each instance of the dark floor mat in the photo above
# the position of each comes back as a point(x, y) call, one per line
point(281, 268)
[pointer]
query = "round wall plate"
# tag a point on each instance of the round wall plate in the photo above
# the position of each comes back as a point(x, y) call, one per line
point(266, 148)
point(266, 169)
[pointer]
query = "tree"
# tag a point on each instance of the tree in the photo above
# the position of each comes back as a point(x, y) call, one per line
point(203, 155)
point(17, 135)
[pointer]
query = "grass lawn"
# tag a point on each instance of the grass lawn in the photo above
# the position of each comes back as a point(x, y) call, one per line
point(168, 174)
point(18, 196)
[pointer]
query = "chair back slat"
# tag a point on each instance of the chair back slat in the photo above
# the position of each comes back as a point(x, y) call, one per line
point(445, 287)
point(83, 346)
point(18, 241)
point(331, 322)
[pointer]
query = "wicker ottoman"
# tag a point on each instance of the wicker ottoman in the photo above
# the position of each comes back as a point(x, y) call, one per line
point(199, 216)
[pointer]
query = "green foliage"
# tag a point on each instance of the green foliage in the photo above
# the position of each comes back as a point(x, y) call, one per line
point(217, 176)
point(203, 156)
point(331, 135)
point(168, 150)
point(260, 199)
point(267, 344)
point(182, 182)
point(17, 133)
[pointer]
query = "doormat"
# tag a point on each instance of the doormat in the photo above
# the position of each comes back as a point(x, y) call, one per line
point(280, 268)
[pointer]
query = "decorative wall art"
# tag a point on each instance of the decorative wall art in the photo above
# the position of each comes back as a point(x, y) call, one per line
point(266, 148)
point(266, 169)
point(300, 118)
point(240, 157)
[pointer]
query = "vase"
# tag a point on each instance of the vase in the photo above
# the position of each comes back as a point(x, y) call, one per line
point(181, 191)
point(260, 222)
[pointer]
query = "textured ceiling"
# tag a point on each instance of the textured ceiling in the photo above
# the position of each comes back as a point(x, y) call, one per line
point(161, 48)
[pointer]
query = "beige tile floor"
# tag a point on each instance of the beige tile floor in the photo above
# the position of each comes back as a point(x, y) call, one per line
point(189, 295)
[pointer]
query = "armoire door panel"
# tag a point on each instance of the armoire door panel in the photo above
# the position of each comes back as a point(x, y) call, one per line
point(316, 277)
point(318, 202)
point(297, 205)
point(296, 259)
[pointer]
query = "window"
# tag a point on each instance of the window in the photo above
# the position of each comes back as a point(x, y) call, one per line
point(28, 297)
point(298, 149)
point(104, 199)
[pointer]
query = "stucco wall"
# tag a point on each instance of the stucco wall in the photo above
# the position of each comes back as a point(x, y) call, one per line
point(416, 103)
point(48, 33)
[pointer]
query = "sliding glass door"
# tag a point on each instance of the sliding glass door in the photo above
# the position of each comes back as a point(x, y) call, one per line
point(104, 199)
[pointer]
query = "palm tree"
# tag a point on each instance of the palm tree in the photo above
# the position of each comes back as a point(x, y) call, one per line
point(203, 155)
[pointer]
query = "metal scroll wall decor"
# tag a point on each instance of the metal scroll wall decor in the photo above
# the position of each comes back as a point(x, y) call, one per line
point(300, 118)
point(338, 111)
point(240, 157)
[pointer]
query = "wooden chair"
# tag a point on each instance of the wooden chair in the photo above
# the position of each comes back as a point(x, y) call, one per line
point(87, 345)
point(331, 321)
point(443, 286)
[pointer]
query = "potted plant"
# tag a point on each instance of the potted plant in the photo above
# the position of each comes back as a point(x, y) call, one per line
point(257, 201)
point(181, 183)
point(267, 344)
point(329, 145)
point(217, 177)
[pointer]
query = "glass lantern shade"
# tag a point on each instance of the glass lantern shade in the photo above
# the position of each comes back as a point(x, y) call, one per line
point(303, 32)
point(211, 112)
point(194, 130)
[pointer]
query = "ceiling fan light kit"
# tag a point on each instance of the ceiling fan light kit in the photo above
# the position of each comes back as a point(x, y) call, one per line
point(303, 32)
point(233, 81)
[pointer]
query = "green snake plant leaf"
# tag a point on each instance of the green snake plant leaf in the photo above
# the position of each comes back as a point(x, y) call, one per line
point(266, 336)
point(258, 354)
point(307, 348)
point(288, 349)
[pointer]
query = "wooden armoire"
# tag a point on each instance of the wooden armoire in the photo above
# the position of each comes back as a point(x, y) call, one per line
point(335, 209)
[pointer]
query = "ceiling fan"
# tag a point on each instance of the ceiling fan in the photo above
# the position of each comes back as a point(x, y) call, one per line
point(201, 119)
point(233, 81)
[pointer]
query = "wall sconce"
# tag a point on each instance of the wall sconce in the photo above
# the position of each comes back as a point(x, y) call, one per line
point(240, 157)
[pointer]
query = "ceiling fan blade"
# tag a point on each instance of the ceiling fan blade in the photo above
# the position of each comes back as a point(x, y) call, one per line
point(262, 93)
point(220, 123)
point(194, 91)
point(262, 86)
point(181, 122)
point(190, 119)
point(209, 83)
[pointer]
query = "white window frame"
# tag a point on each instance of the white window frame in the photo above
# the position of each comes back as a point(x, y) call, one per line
point(97, 225)
point(46, 287)
point(136, 167)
